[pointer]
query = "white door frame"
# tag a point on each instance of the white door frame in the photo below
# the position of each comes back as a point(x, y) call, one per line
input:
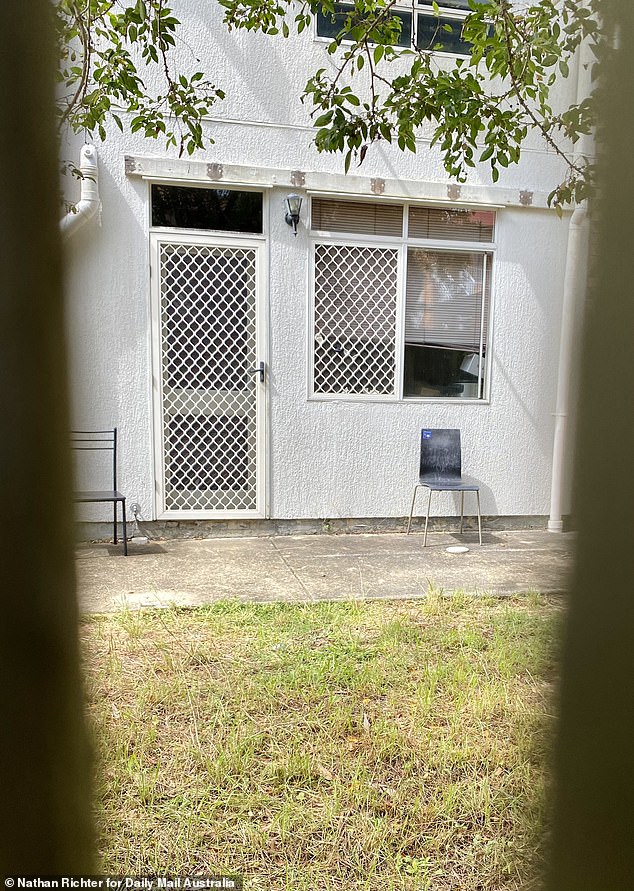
point(216, 239)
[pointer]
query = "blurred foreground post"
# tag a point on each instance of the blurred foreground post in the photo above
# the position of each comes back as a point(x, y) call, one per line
point(594, 811)
point(44, 765)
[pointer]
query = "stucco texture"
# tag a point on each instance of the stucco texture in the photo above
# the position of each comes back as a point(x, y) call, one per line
point(326, 458)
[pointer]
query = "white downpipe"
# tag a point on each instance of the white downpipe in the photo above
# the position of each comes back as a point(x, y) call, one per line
point(89, 200)
point(572, 301)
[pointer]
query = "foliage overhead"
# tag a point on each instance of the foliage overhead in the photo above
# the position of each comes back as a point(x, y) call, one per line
point(108, 51)
point(480, 108)
point(477, 109)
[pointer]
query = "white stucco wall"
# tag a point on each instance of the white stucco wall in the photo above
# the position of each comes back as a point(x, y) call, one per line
point(327, 458)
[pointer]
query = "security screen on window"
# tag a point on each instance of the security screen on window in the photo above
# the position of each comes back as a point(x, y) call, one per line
point(390, 280)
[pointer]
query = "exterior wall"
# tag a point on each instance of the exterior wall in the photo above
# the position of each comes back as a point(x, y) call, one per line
point(327, 458)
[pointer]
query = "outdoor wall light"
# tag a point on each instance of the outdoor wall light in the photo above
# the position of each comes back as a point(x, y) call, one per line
point(293, 206)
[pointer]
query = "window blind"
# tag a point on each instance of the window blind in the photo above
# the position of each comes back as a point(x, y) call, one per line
point(360, 217)
point(447, 299)
point(452, 224)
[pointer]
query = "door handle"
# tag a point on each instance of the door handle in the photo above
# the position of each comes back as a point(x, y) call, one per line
point(259, 370)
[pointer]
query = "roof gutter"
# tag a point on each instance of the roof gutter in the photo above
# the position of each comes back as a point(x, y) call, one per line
point(89, 200)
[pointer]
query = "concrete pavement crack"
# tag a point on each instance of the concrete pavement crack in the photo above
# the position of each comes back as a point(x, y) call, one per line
point(310, 595)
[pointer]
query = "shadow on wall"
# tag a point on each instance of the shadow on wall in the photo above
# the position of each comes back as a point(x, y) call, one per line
point(108, 307)
point(271, 65)
point(528, 298)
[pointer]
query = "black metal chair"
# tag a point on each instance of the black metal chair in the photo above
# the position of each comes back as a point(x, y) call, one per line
point(102, 441)
point(441, 471)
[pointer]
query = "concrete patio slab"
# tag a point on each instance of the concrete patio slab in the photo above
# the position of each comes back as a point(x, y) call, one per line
point(305, 568)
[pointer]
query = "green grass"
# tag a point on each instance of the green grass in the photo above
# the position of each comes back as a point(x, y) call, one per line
point(374, 745)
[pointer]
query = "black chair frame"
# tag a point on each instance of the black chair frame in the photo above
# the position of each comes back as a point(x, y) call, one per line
point(102, 441)
point(441, 471)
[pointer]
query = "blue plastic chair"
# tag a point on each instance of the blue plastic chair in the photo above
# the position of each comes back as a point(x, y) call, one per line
point(441, 471)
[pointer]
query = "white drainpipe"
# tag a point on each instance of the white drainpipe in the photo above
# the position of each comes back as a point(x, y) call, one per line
point(572, 303)
point(573, 299)
point(89, 200)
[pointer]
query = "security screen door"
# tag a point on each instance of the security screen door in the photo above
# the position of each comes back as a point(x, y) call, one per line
point(208, 390)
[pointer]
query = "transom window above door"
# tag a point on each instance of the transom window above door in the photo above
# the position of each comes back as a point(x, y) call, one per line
point(401, 300)
point(193, 207)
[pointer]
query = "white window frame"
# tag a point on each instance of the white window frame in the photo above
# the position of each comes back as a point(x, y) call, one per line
point(415, 8)
point(264, 190)
point(402, 244)
point(356, 240)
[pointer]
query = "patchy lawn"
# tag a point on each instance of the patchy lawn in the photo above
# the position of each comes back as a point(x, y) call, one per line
point(375, 745)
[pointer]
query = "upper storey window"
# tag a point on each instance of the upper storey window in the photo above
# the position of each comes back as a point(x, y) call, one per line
point(425, 28)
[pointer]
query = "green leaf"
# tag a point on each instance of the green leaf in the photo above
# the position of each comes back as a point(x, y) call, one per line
point(324, 119)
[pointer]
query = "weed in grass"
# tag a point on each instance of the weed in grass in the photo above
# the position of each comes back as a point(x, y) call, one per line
point(352, 745)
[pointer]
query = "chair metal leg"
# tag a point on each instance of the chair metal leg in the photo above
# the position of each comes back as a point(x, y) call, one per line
point(125, 530)
point(114, 524)
point(427, 519)
point(411, 510)
point(461, 510)
point(479, 517)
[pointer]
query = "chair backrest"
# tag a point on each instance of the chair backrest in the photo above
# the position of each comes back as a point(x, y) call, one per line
point(97, 441)
point(440, 457)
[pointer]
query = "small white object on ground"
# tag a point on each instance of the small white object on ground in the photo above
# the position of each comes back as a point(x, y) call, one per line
point(139, 540)
point(457, 549)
